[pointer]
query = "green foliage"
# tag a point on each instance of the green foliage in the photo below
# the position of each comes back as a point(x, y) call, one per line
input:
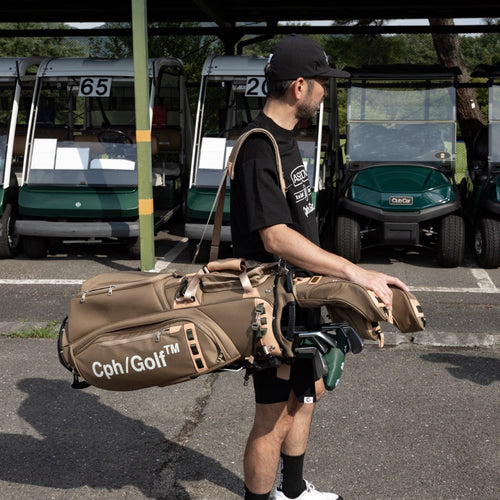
point(49, 331)
point(191, 50)
point(71, 46)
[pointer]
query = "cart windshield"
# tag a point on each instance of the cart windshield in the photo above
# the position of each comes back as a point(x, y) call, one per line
point(84, 134)
point(397, 124)
point(7, 95)
point(494, 128)
point(228, 106)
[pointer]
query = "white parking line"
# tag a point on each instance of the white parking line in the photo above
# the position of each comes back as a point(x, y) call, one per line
point(170, 256)
point(484, 282)
point(40, 282)
point(166, 260)
point(439, 289)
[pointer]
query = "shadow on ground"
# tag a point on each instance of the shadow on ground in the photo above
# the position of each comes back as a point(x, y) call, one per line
point(73, 440)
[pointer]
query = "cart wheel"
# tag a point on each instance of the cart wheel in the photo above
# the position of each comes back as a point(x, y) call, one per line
point(347, 238)
point(35, 248)
point(134, 247)
point(487, 242)
point(10, 242)
point(451, 241)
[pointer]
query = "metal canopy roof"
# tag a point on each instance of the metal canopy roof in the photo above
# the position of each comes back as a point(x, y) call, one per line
point(226, 13)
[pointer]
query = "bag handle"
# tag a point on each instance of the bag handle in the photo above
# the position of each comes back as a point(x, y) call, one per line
point(221, 265)
point(221, 192)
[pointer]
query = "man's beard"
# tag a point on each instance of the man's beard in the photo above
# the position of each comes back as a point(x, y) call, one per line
point(306, 111)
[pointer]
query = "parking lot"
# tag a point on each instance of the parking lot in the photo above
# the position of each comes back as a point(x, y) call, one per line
point(411, 421)
point(461, 301)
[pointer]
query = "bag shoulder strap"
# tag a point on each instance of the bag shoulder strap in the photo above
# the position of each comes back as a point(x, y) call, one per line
point(229, 171)
point(236, 149)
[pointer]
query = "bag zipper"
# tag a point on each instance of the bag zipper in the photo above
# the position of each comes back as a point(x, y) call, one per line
point(156, 335)
point(120, 286)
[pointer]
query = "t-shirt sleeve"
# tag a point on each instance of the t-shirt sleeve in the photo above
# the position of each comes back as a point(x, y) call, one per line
point(257, 183)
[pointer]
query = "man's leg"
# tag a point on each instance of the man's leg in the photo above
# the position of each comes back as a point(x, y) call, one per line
point(272, 423)
point(295, 442)
point(277, 422)
point(294, 447)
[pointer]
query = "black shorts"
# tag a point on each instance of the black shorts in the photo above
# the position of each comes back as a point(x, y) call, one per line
point(271, 389)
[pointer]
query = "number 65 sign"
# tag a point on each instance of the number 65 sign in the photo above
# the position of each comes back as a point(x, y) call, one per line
point(95, 87)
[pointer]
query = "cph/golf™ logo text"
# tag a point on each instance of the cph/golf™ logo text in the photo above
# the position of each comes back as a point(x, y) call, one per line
point(136, 363)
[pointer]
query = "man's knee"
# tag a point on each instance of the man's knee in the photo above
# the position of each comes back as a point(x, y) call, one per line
point(273, 418)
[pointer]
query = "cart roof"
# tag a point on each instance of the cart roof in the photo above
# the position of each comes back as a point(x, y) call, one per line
point(403, 71)
point(78, 66)
point(17, 66)
point(234, 66)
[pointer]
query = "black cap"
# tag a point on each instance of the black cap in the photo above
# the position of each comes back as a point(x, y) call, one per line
point(297, 56)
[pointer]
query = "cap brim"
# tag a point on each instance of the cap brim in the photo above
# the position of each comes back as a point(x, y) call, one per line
point(336, 73)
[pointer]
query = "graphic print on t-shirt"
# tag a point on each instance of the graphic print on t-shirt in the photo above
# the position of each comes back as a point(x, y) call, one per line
point(302, 189)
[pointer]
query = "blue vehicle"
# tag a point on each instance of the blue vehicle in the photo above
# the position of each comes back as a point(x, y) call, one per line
point(482, 191)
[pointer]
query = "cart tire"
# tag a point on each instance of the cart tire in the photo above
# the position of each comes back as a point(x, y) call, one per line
point(35, 248)
point(134, 247)
point(487, 242)
point(10, 242)
point(347, 238)
point(451, 241)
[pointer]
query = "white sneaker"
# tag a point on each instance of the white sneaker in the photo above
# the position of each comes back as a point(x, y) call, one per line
point(310, 493)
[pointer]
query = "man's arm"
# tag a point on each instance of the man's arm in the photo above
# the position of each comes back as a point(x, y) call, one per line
point(290, 245)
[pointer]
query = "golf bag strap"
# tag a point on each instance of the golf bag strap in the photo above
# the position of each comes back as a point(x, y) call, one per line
point(229, 171)
point(236, 149)
point(220, 265)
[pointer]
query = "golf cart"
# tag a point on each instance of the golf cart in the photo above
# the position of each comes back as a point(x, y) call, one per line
point(79, 180)
point(397, 186)
point(16, 87)
point(232, 93)
point(482, 191)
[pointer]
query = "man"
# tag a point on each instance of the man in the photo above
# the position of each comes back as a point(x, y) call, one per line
point(265, 226)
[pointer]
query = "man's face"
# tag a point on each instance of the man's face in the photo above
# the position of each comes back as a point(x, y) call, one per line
point(316, 92)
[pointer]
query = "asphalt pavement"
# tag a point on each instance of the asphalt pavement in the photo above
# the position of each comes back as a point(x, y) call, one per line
point(407, 422)
point(416, 420)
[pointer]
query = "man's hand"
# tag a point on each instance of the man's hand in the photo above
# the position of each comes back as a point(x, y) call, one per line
point(290, 245)
point(378, 283)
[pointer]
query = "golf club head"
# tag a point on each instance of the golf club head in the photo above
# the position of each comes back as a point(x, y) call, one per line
point(319, 365)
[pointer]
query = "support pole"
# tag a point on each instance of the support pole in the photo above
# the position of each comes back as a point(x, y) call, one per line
point(143, 134)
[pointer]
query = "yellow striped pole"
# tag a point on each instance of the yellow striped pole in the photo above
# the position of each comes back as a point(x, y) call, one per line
point(143, 134)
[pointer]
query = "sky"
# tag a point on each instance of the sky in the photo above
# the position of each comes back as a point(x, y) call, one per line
point(392, 22)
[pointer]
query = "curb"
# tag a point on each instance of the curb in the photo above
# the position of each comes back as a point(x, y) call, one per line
point(447, 339)
point(393, 339)
point(440, 339)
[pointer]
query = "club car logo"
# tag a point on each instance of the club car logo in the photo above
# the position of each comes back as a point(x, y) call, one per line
point(401, 200)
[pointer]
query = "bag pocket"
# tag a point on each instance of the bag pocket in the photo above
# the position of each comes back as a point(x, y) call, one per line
point(157, 354)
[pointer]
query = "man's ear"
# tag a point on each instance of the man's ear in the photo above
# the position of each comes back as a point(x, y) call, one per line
point(299, 87)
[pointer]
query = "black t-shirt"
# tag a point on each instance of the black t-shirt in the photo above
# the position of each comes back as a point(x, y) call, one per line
point(257, 200)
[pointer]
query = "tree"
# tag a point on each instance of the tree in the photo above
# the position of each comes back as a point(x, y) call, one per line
point(469, 114)
point(191, 50)
point(70, 46)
